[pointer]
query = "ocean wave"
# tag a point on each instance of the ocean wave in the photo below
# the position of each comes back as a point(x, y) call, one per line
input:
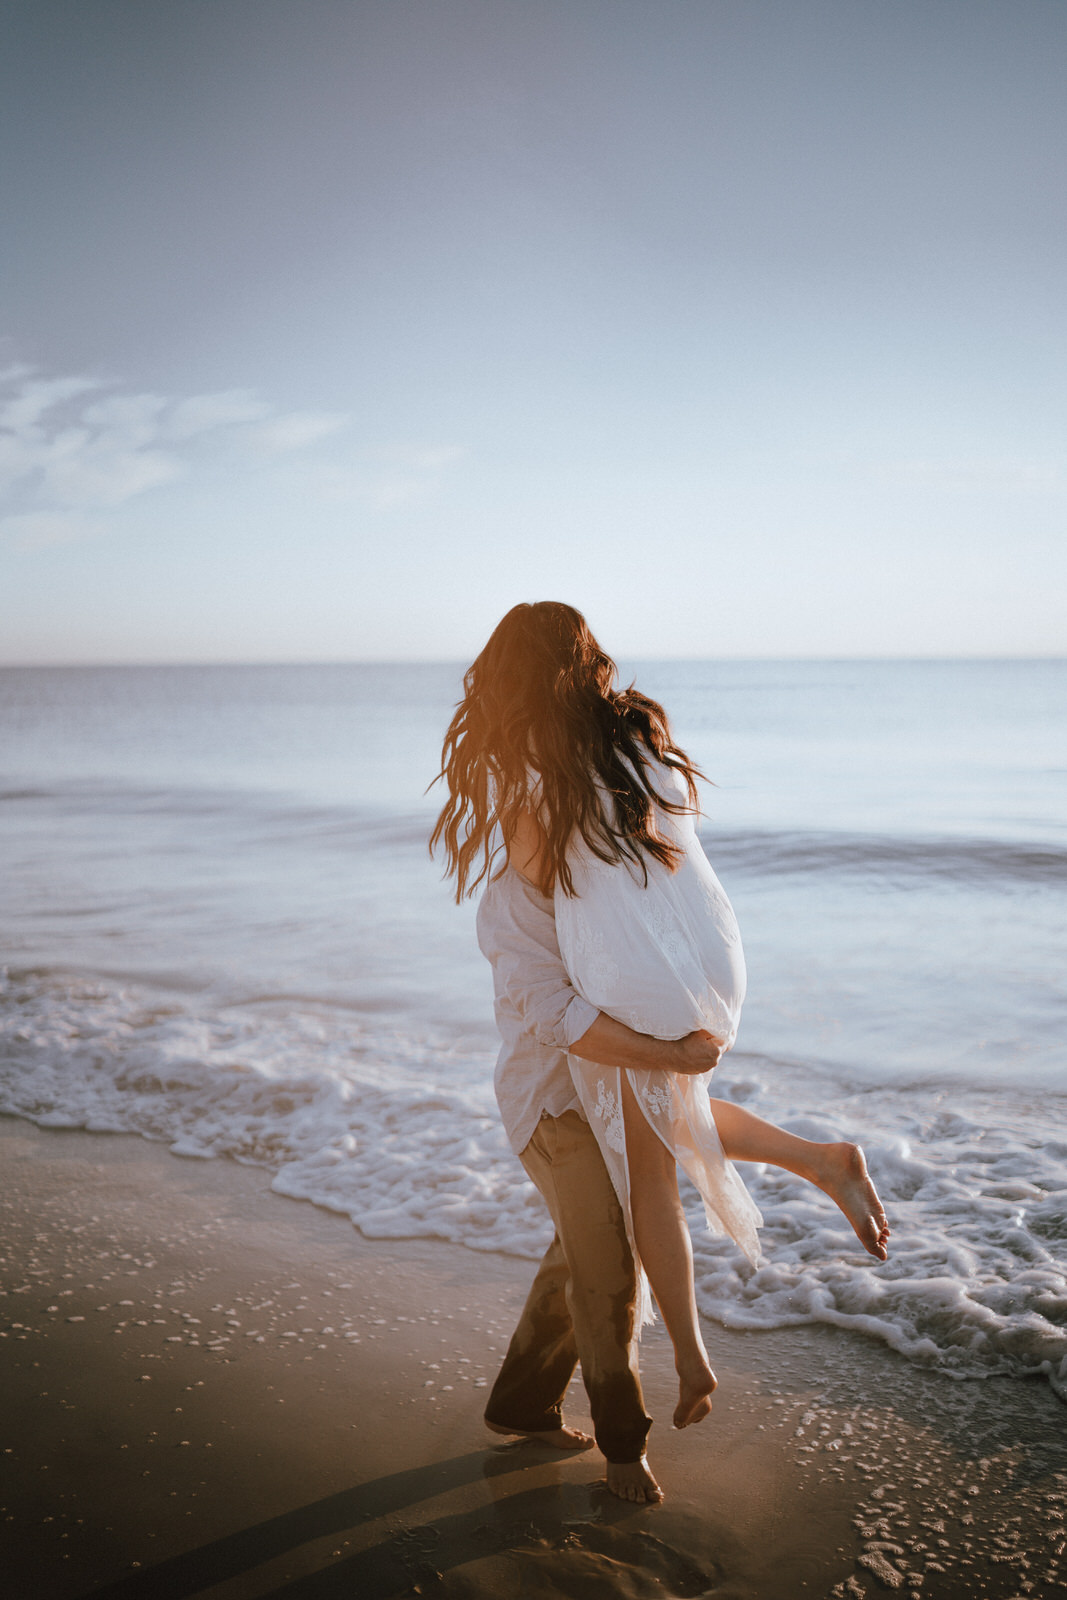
point(974, 1285)
point(378, 1124)
point(898, 857)
point(398, 1131)
point(273, 816)
point(755, 853)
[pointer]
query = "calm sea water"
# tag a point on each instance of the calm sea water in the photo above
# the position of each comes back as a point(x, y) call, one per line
point(221, 929)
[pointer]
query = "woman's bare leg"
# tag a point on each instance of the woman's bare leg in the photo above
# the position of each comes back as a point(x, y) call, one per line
point(663, 1243)
point(839, 1169)
point(662, 1234)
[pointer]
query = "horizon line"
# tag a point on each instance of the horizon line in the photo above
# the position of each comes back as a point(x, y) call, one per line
point(460, 661)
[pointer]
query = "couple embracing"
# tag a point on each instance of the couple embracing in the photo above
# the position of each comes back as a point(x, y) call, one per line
point(618, 978)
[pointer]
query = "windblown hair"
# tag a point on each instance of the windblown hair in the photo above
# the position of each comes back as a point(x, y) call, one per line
point(541, 728)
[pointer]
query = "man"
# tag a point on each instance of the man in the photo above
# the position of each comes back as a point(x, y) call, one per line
point(582, 1304)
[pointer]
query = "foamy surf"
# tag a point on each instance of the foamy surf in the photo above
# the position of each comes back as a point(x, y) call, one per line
point(398, 1131)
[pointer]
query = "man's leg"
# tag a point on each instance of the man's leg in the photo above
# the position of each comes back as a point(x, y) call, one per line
point(527, 1396)
point(598, 1283)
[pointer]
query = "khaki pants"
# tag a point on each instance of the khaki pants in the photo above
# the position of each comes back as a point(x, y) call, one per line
point(581, 1306)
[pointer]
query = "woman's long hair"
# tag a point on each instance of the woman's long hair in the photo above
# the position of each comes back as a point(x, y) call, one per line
point(541, 728)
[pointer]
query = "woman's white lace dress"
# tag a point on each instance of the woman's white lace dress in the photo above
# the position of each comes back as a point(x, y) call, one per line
point(664, 957)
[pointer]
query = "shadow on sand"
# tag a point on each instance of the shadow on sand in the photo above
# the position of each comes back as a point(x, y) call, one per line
point(570, 1523)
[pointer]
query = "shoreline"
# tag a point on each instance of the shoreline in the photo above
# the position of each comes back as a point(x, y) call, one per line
point(211, 1389)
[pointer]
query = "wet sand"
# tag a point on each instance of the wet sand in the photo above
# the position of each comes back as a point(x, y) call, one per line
point(210, 1390)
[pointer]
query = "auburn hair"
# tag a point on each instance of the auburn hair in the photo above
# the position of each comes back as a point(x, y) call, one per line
point(542, 728)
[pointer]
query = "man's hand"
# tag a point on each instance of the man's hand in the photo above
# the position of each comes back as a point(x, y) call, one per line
point(612, 1044)
point(697, 1052)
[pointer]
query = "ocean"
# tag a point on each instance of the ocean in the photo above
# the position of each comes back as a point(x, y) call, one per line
point(221, 929)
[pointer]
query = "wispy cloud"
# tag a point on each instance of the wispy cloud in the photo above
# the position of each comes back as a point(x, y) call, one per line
point(27, 398)
point(206, 413)
point(297, 430)
point(75, 448)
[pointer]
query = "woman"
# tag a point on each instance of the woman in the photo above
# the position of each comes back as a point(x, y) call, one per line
point(590, 799)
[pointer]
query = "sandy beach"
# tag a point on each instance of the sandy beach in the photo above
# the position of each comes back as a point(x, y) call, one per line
point(211, 1390)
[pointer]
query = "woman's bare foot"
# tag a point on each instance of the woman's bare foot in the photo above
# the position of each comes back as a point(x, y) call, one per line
point(695, 1389)
point(632, 1480)
point(844, 1177)
point(557, 1438)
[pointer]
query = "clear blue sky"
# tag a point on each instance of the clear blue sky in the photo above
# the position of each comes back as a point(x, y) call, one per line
point(331, 328)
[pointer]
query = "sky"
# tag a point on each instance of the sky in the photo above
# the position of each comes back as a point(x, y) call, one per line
point(330, 329)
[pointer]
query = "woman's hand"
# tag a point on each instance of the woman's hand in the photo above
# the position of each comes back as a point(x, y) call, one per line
point(697, 1052)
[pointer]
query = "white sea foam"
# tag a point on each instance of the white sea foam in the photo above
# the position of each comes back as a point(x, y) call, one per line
point(387, 1128)
point(399, 1132)
point(976, 1283)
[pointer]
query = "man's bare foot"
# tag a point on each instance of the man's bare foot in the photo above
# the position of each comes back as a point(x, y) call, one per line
point(695, 1390)
point(557, 1438)
point(632, 1480)
point(844, 1177)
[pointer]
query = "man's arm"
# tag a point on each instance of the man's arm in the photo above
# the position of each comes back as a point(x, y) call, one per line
point(613, 1044)
point(517, 932)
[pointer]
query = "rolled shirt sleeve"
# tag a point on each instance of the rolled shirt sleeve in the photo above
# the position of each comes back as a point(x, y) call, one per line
point(538, 1012)
point(517, 933)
